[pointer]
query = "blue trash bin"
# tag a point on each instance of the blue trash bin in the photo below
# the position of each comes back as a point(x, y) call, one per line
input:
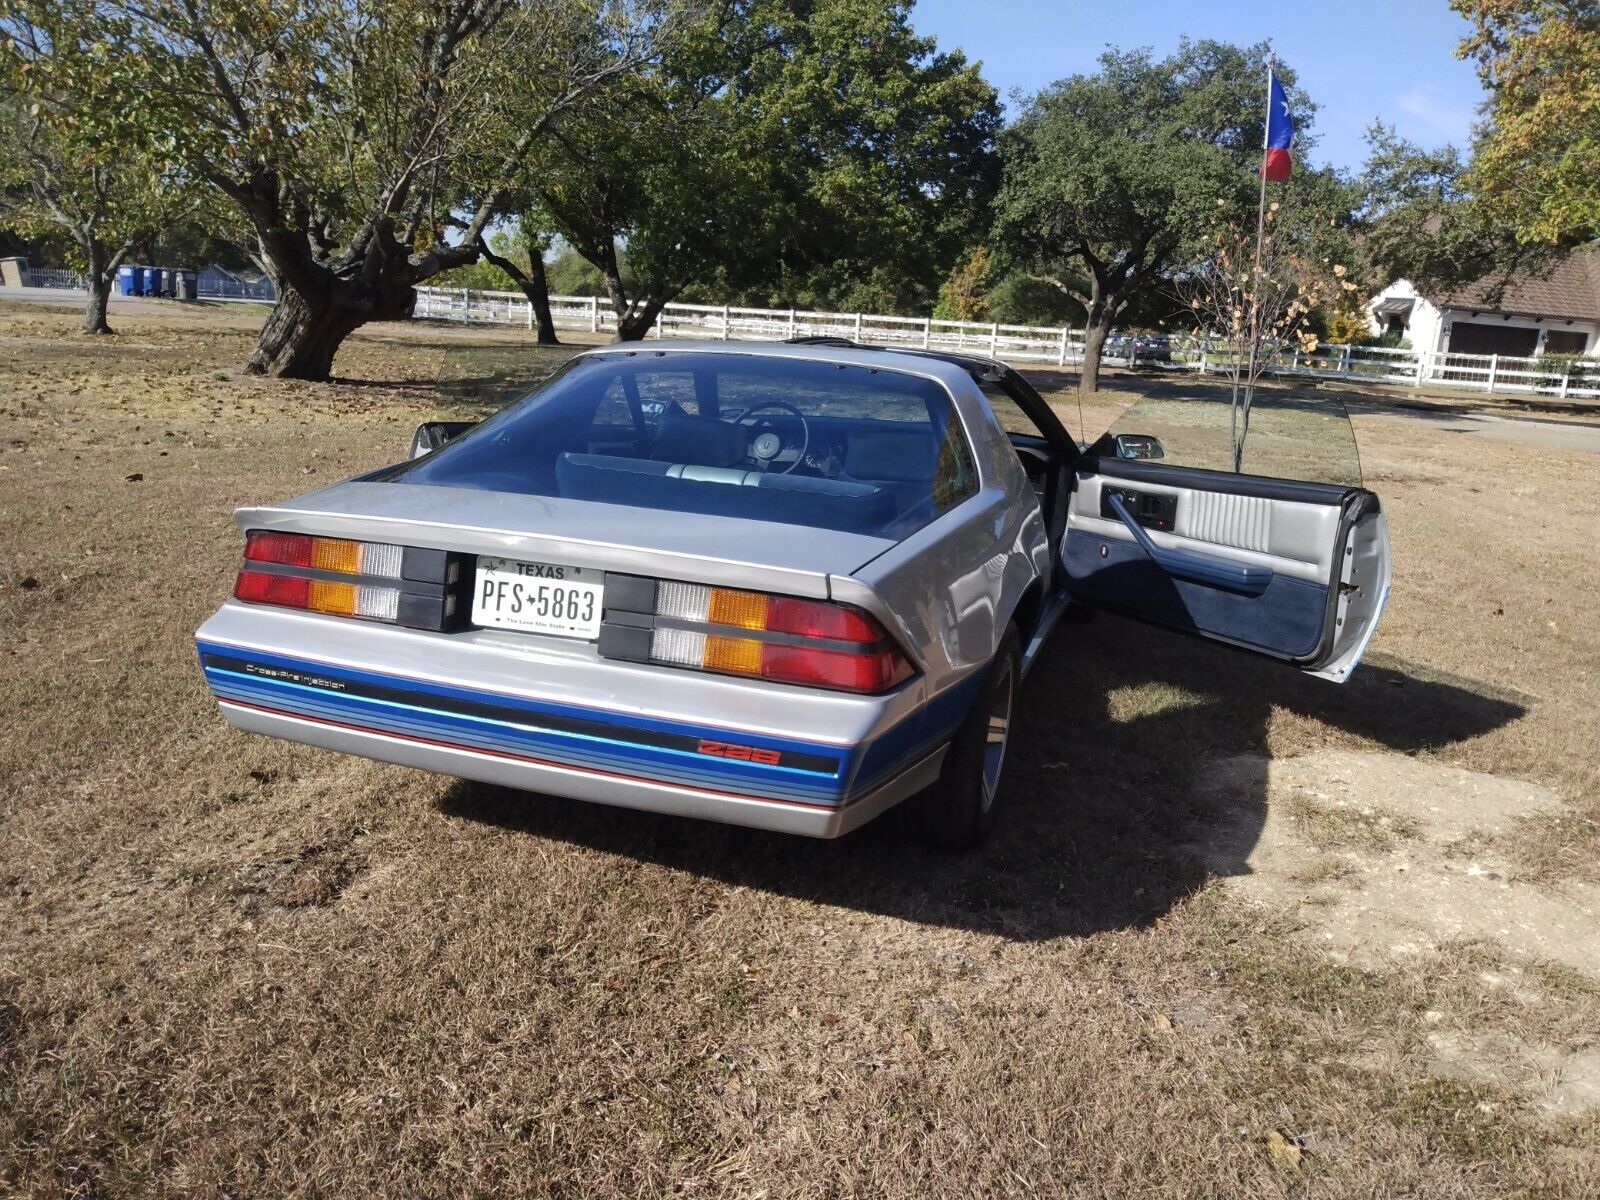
point(152, 281)
point(127, 281)
point(141, 278)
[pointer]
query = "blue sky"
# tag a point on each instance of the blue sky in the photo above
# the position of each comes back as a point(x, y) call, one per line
point(1359, 59)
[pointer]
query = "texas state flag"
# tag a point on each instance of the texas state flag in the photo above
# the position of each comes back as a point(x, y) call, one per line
point(1280, 132)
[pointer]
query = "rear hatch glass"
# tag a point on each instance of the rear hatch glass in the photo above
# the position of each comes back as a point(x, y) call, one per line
point(790, 441)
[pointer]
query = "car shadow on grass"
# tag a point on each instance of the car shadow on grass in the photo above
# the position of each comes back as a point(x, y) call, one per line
point(1115, 722)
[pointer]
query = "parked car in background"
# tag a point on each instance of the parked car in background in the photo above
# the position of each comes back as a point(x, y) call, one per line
point(1136, 348)
point(780, 585)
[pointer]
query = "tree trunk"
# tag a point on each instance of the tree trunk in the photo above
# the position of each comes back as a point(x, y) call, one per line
point(537, 290)
point(94, 313)
point(632, 326)
point(302, 335)
point(533, 285)
point(1094, 340)
point(99, 278)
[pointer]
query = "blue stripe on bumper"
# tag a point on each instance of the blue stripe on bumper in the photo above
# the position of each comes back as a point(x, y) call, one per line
point(606, 744)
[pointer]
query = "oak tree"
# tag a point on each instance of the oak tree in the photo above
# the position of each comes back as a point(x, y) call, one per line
point(369, 145)
point(1111, 180)
point(75, 158)
point(1536, 164)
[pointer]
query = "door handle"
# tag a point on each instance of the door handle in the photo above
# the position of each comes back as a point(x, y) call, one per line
point(1195, 567)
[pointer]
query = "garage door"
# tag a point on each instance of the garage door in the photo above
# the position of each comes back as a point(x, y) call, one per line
point(1474, 337)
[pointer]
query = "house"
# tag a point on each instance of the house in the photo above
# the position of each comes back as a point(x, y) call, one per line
point(1552, 311)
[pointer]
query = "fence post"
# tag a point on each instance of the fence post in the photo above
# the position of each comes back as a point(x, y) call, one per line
point(1203, 348)
point(594, 314)
point(466, 305)
point(1494, 369)
point(1061, 348)
point(1294, 361)
point(726, 322)
point(530, 314)
point(858, 327)
point(791, 322)
point(1422, 358)
point(927, 332)
point(994, 339)
point(1566, 375)
point(1344, 359)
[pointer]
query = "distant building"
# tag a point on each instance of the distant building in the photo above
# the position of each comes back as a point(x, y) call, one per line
point(1555, 311)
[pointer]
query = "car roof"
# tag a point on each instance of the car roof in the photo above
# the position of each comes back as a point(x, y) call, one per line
point(822, 349)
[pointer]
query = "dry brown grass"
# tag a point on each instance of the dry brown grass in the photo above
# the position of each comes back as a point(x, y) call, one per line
point(234, 966)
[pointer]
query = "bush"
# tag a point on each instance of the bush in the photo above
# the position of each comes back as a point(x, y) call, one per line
point(1018, 300)
point(1390, 340)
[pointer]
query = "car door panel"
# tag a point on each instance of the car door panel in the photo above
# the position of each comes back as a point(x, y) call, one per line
point(1296, 571)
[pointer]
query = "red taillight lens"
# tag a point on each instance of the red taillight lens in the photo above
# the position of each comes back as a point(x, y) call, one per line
point(807, 618)
point(291, 549)
point(720, 629)
point(261, 588)
point(871, 672)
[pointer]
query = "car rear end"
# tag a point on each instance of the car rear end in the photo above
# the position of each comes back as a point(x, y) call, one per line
point(700, 664)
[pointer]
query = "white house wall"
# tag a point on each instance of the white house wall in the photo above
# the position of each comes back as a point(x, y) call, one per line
point(1428, 327)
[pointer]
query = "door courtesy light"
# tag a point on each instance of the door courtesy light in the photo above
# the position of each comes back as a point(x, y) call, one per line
point(859, 656)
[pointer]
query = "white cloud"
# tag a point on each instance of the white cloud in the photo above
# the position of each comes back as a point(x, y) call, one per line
point(1434, 113)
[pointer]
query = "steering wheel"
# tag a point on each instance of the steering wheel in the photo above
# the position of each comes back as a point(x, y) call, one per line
point(766, 446)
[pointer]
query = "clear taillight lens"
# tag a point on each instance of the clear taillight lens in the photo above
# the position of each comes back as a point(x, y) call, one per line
point(810, 642)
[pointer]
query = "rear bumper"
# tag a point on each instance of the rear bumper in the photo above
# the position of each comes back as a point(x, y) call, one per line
point(639, 737)
point(513, 770)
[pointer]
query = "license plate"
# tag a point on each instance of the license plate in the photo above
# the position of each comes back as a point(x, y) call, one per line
point(538, 597)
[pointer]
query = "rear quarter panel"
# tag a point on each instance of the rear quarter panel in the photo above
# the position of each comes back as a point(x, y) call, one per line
point(952, 587)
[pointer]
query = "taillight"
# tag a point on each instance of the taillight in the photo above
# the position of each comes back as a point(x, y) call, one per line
point(372, 580)
point(780, 638)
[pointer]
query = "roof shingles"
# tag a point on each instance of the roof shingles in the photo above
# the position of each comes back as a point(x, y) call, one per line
point(1568, 288)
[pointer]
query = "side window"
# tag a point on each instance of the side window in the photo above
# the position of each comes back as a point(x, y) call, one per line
point(955, 476)
point(660, 390)
point(614, 411)
point(1012, 418)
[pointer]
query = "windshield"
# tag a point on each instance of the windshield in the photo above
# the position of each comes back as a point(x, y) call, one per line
point(1293, 433)
point(787, 440)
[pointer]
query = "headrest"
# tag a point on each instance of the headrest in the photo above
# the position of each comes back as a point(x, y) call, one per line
point(892, 457)
point(698, 441)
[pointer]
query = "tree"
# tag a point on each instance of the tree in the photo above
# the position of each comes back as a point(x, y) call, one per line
point(62, 168)
point(369, 146)
point(965, 295)
point(1536, 165)
point(1257, 294)
point(531, 244)
point(1418, 220)
point(775, 143)
point(1111, 180)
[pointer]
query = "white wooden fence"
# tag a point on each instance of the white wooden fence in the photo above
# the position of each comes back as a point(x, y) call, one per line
point(1552, 376)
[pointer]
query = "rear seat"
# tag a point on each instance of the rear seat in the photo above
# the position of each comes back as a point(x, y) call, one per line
point(847, 505)
point(900, 463)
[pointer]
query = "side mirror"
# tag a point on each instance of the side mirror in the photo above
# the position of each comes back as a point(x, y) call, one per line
point(1135, 446)
point(430, 435)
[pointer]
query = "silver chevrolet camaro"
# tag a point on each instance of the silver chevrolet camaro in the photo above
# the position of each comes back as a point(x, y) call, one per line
point(780, 585)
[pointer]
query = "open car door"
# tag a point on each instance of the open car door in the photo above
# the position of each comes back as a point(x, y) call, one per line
point(1294, 569)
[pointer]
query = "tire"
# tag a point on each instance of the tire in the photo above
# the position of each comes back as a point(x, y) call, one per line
point(959, 810)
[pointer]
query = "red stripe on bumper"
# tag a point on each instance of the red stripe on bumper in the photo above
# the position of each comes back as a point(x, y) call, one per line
point(538, 762)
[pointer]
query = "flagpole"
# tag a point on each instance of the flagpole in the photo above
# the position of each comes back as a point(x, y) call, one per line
point(1255, 279)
